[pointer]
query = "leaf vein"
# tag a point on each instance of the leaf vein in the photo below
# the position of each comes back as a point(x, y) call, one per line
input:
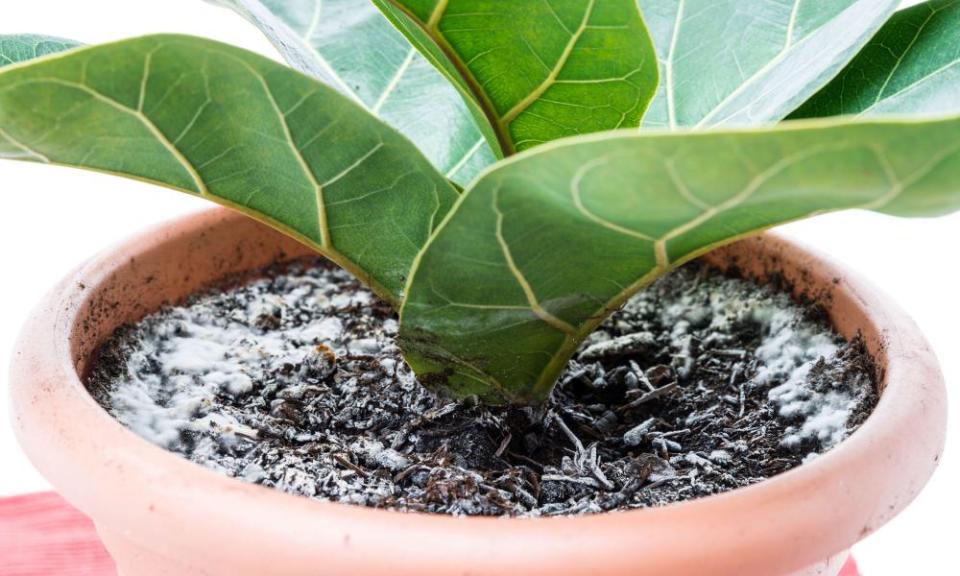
point(529, 99)
point(26, 149)
point(519, 276)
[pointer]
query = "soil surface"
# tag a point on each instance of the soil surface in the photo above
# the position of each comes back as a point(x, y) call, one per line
point(702, 383)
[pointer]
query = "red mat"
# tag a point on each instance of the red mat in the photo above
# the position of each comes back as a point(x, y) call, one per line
point(41, 535)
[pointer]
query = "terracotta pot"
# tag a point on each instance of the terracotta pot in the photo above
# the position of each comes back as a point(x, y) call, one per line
point(161, 515)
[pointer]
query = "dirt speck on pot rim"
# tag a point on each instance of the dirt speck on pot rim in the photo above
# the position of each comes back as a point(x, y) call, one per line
point(701, 384)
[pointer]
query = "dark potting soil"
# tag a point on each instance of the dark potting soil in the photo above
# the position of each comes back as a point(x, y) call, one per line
point(702, 383)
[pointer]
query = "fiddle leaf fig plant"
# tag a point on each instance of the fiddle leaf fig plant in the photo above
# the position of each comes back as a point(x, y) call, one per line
point(490, 168)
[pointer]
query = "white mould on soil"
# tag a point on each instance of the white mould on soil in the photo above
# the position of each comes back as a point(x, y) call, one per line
point(701, 384)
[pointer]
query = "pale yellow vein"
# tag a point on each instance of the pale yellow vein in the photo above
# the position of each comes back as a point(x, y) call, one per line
point(147, 123)
point(530, 98)
point(528, 292)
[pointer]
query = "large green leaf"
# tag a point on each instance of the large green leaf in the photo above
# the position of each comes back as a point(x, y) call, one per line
point(19, 47)
point(236, 128)
point(911, 66)
point(743, 62)
point(542, 69)
point(349, 45)
point(543, 247)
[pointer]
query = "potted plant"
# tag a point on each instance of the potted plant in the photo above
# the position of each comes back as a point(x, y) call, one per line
point(478, 166)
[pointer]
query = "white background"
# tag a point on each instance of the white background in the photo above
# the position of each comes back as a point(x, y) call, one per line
point(51, 219)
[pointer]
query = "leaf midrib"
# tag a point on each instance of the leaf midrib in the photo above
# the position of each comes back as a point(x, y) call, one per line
point(893, 71)
point(432, 30)
point(298, 154)
point(537, 92)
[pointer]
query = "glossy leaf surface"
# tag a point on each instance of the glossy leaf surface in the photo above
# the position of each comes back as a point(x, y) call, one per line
point(350, 46)
point(912, 66)
point(541, 69)
point(236, 128)
point(748, 62)
point(541, 249)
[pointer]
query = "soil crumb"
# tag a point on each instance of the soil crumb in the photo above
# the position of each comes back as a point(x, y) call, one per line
point(702, 383)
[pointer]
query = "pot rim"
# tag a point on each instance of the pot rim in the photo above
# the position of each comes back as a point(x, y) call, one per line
point(782, 524)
